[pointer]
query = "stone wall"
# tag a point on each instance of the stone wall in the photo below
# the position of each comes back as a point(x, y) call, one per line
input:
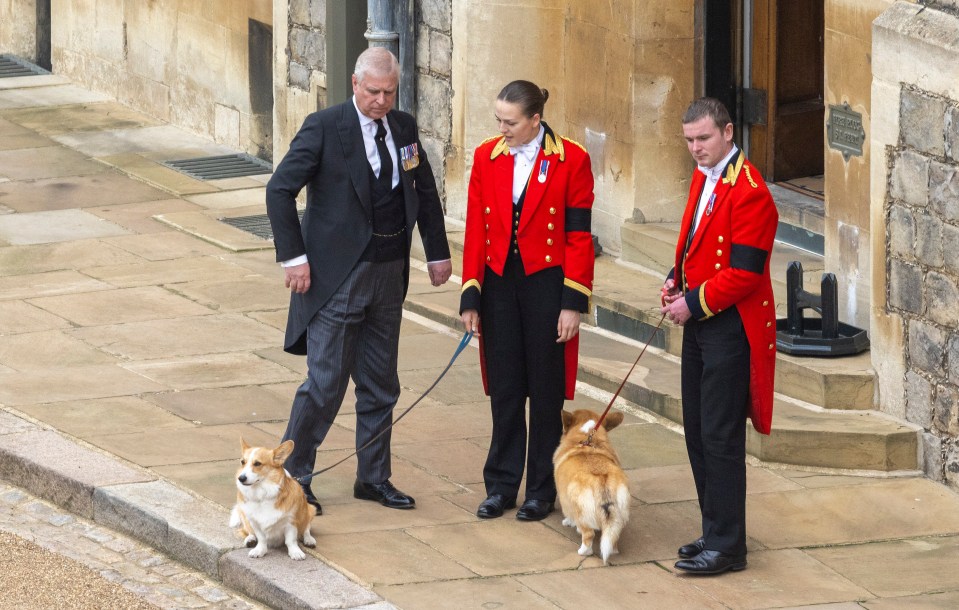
point(915, 215)
point(434, 90)
point(188, 63)
point(18, 28)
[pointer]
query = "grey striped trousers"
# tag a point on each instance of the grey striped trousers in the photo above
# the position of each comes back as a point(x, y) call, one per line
point(356, 334)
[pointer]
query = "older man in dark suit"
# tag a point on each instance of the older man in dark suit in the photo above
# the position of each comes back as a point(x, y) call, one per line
point(347, 264)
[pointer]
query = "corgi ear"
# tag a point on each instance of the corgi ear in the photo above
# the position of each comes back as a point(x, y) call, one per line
point(283, 451)
point(243, 445)
point(612, 420)
point(567, 420)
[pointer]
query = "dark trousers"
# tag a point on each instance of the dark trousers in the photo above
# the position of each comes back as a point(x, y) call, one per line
point(715, 386)
point(356, 334)
point(523, 360)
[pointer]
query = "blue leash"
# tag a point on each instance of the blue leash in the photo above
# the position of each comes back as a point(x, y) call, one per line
point(459, 349)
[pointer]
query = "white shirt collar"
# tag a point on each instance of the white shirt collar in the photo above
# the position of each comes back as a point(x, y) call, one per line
point(531, 148)
point(714, 173)
point(365, 120)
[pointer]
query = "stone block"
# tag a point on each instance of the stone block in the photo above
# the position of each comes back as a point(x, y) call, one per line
point(942, 295)
point(11, 424)
point(950, 235)
point(194, 531)
point(902, 232)
point(308, 47)
point(281, 583)
point(921, 120)
point(944, 190)
point(318, 13)
point(226, 126)
point(433, 105)
point(438, 14)
point(434, 150)
point(59, 470)
point(927, 347)
point(300, 12)
point(952, 359)
point(441, 53)
point(905, 286)
point(918, 400)
point(952, 133)
point(299, 76)
point(932, 462)
point(910, 178)
point(929, 240)
point(951, 465)
point(944, 409)
point(422, 48)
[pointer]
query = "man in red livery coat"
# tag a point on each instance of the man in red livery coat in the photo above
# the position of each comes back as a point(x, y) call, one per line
point(527, 274)
point(720, 291)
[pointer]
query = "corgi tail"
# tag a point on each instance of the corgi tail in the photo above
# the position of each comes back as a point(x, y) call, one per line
point(616, 514)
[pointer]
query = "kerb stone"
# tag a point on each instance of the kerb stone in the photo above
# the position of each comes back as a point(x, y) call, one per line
point(194, 531)
point(283, 583)
point(61, 471)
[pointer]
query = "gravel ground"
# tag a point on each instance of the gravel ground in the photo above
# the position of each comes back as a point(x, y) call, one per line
point(51, 559)
point(33, 577)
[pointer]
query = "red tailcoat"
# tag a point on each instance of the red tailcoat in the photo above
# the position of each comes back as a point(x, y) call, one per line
point(727, 265)
point(554, 226)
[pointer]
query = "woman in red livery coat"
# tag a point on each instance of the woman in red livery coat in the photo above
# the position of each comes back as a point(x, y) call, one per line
point(527, 276)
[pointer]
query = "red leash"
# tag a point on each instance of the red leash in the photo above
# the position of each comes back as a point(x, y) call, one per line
point(589, 437)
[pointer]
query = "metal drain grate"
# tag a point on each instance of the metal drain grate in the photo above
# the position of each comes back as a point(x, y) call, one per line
point(258, 224)
point(11, 66)
point(224, 166)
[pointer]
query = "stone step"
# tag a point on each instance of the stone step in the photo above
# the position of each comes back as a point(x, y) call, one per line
point(802, 435)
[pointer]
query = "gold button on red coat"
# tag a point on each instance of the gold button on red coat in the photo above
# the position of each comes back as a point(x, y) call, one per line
point(720, 239)
point(765, 303)
point(718, 266)
point(550, 226)
point(549, 258)
point(719, 252)
point(487, 210)
point(552, 210)
point(549, 242)
point(487, 242)
point(488, 259)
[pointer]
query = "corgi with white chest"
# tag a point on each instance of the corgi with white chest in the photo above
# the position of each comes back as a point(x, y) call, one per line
point(592, 487)
point(271, 507)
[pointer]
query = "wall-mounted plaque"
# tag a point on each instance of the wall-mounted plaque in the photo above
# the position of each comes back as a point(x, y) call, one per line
point(844, 131)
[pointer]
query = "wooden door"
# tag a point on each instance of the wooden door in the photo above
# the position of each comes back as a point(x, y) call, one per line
point(787, 66)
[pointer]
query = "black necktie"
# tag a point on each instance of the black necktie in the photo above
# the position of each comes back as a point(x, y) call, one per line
point(386, 162)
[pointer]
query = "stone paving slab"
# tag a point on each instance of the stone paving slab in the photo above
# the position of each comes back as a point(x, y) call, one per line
point(160, 176)
point(37, 351)
point(210, 229)
point(60, 470)
point(159, 273)
point(36, 80)
point(163, 246)
point(61, 256)
point(121, 306)
point(72, 383)
point(922, 565)
point(253, 293)
point(21, 317)
point(139, 217)
point(161, 142)
point(105, 416)
point(473, 594)
point(64, 118)
point(67, 192)
point(169, 519)
point(46, 162)
point(224, 405)
point(20, 141)
point(186, 336)
point(232, 199)
point(55, 95)
point(61, 225)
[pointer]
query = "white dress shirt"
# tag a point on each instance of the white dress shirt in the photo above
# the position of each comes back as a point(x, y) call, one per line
point(713, 174)
point(524, 157)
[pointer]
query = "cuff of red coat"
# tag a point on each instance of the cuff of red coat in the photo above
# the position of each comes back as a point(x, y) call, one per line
point(470, 297)
point(575, 296)
point(696, 301)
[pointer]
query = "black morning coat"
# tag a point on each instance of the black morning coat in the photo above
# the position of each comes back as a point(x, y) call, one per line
point(328, 156)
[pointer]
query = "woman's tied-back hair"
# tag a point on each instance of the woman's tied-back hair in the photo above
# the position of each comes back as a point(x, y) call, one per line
point(707, 107)
point(376, 60)
point(526, 95)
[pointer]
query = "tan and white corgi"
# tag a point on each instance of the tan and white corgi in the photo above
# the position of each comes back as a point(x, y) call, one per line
point(592, 487)
point(270, 506)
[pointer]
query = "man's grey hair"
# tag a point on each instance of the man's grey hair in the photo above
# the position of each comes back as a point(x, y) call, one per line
point(378, 61)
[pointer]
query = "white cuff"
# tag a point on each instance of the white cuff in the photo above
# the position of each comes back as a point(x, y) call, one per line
point(293, 262)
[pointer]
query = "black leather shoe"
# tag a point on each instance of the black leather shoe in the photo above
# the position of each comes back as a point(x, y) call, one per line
point(534, 510)
point(712, 562)
point(688, 551)
point(311, 499)
point(494, 505)
point(384, 493)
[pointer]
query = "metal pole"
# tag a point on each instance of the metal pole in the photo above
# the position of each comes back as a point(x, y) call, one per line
point(391, 26)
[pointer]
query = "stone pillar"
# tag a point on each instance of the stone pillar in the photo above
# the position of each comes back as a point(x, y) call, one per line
point(914, 204)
